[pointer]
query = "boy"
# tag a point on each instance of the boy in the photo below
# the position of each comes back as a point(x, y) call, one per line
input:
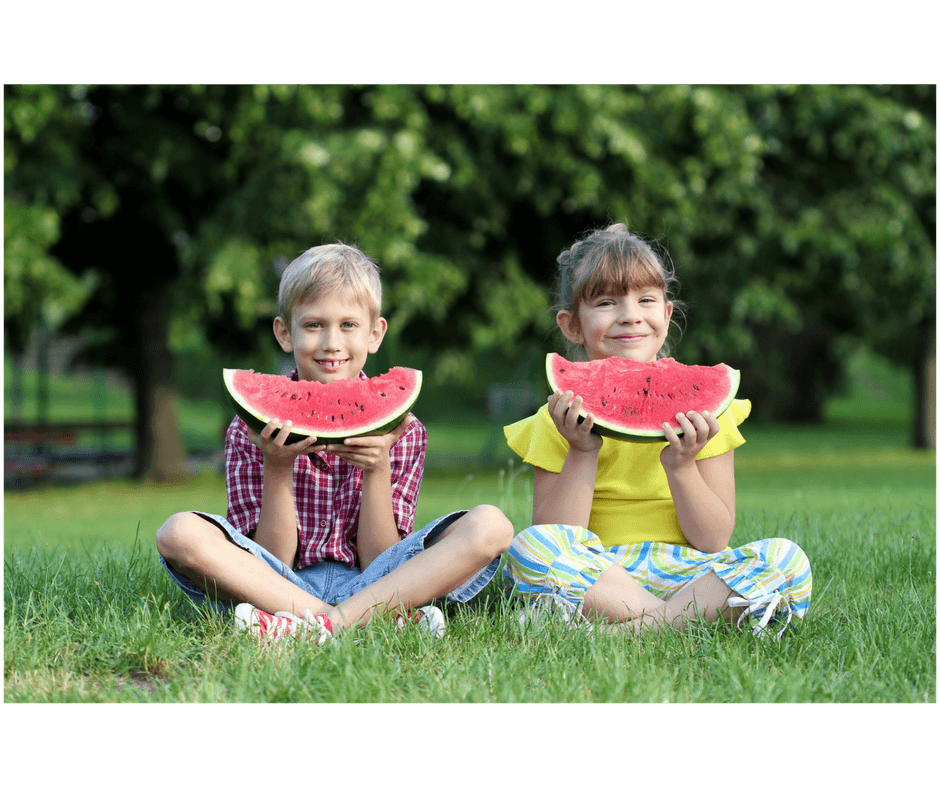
point(320, 540)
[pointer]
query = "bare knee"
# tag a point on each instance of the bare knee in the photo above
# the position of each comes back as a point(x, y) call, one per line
point(180, 536)
point(489, 530)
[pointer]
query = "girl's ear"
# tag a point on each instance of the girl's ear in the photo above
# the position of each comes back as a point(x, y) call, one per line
point(570, 327)
point(378, 334)
point(669, 308)
point(282, 333)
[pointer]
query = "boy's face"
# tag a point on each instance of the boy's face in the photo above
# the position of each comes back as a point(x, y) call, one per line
point(331, 337)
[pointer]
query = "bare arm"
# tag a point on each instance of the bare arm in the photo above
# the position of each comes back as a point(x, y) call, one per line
point(566, 497)
point(703, 490)
point(377, 529)
point(277, 521)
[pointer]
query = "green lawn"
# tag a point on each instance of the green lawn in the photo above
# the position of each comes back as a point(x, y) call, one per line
point(89, 615)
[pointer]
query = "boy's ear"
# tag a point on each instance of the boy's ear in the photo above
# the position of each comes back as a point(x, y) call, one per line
point(283, 335)
point(378, 334)
point(570, 327)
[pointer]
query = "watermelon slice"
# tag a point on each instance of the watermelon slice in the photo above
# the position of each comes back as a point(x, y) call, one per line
point(331, 411)
point(631, 400)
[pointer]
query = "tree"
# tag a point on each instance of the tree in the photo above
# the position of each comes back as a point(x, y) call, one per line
point(779, 206)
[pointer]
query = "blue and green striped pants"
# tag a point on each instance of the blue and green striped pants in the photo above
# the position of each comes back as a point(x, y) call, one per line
point(566, 560)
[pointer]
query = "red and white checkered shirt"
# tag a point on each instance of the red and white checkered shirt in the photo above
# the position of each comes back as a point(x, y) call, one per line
point(327, 492)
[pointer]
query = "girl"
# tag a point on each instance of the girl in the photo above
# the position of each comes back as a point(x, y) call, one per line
point(636, 534)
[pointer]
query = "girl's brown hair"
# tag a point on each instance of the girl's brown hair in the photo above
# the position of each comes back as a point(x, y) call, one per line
point(609, 261)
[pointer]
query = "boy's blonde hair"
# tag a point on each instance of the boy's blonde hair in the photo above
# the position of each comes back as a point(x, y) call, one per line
point(610, 260)
point(323, 270)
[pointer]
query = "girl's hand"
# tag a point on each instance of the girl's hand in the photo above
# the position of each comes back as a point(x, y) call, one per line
point(699, 429)
point(271, 442)
point(564, 408)
point(369, 452)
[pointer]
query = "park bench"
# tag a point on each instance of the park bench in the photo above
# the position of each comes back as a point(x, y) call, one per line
point(34, 452)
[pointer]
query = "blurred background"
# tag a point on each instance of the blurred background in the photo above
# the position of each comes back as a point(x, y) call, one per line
point(146, 227)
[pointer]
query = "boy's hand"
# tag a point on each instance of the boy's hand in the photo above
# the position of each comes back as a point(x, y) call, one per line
point(369, 452)
point(564, 408)
point(276, 453)
point(699, 429)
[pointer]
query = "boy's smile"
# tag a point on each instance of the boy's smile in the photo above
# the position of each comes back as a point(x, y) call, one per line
point(331, 337)
point(331, 365)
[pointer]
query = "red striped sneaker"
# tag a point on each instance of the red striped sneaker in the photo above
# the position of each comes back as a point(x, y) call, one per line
point(428, 618)
point(266, 627)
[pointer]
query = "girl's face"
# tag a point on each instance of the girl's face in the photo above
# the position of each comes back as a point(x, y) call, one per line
point(630, 325)
point(331, 337)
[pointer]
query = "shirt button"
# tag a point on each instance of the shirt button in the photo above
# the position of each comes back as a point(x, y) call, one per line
point(323, 523)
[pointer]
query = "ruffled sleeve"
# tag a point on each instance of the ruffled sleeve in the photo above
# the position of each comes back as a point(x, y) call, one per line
point(729, 436)
point(536, 440)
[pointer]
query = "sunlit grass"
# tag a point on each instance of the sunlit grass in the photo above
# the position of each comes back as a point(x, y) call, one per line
point(90, 616)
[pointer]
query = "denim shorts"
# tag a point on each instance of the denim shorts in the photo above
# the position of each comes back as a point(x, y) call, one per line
point(334, 582)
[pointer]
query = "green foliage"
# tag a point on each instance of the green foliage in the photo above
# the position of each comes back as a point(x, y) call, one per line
point(796, 215)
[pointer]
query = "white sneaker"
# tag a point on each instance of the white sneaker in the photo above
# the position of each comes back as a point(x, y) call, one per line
point(551, 605)
point(267, 627)
point(428, 618)
point(771, 609)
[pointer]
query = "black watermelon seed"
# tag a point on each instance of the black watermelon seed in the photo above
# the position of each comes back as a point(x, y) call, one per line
point(332, 418)
point(603, 402)
point(648, 380)
point(695, 387)
point(382, 394)
point(646, 391)
point(362, 407)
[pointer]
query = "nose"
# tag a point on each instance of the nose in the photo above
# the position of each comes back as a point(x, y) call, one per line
point(628, 313)
point(329, 340)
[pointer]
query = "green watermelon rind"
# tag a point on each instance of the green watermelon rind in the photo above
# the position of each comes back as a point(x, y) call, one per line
point(645, 436)
point(258, 421)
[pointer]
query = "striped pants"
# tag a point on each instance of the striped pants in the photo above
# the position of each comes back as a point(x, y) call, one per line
point(565, 560)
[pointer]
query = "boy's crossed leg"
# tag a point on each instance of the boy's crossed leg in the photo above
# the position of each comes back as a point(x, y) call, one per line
point(202, 552)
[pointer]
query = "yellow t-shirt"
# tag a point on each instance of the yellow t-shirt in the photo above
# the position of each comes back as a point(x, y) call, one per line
point(632, 502)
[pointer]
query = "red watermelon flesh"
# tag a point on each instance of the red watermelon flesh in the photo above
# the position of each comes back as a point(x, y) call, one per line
point(631, 400)
point(331, 411)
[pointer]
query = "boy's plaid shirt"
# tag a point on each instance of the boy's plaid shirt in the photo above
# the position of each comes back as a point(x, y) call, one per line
point(327, 492)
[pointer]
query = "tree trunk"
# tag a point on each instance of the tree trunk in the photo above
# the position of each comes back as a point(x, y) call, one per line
point(925, 389)
point(159, 445)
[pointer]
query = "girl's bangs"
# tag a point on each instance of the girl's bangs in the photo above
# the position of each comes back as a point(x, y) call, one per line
point(619, 276)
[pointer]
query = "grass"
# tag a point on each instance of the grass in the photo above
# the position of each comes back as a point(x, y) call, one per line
point(91, 617)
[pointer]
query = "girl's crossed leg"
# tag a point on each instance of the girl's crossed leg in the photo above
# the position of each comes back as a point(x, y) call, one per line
point(572, 562)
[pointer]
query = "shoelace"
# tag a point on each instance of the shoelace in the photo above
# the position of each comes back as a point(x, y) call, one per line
point(552, 604)
point(770, 604)
point(284, 623)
